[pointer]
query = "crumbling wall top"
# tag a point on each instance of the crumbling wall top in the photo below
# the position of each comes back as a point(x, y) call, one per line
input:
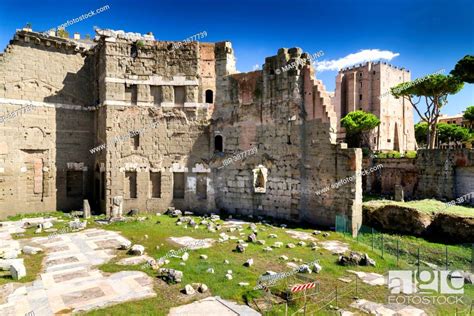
point(120, 34)
point(48, 40)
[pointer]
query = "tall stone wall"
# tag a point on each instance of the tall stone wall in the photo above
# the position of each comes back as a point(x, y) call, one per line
point(173, 130)
point(134, 123)
point(287, 154)
point(441, 174)
point(46, 94)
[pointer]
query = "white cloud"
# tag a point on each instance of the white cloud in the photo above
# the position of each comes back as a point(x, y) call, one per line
point(355, 58)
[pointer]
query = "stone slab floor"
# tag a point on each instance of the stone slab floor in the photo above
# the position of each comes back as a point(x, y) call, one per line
point(69, 281)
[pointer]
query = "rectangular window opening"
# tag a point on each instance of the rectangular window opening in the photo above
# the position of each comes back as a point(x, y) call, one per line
point(156, 94)
point(74, 183)
point(135, 141)
point(201, 186)
point(155, 184)
point(131, 185)
point(178, 185)
point(131, 94)
point(179, 95)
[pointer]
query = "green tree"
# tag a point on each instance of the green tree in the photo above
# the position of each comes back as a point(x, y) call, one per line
point(421, 129)
point(464, 69)
point(452, 133)
point(469, 115)
point(358, 124)
point(434, 90)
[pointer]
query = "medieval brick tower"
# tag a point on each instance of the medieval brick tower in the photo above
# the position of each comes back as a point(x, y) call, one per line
point(366, 87)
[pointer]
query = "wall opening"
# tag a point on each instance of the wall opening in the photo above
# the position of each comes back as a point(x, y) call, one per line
point(130, 185)
point(135, 141)
point(201, 186)
point(219, 143)
point(74, 183)
point(209, 96)
point(37, 175)
point(155, 184)
point(178, 185)
point(179, 95)
point(156, 94)
point(260, 179)
point(102, 185)
point(131, 94)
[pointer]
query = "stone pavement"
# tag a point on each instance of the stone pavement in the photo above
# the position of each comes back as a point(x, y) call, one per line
point(300, 235)
point(213, 306)
point(69, 281)
point(192, 243)
point(387, 309)
point(370, 277)
point(335, 246)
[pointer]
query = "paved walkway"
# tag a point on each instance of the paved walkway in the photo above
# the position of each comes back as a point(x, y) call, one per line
point(69, 281)
point(213, 306)
point(370, 278)
point(387, 309)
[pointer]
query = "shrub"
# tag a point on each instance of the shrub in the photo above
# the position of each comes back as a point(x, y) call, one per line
point(394, 154)
point(410, 154)
point(366, 152)
point(382, 155)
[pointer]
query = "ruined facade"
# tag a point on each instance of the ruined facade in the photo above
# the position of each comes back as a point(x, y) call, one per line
point(133, 123)
point(367, 87)
point(440, 174)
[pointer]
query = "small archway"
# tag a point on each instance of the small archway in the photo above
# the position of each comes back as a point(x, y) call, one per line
point(209, 96)
point(219, 143)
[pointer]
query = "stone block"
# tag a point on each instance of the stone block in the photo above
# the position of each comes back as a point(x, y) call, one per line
point(17, 270)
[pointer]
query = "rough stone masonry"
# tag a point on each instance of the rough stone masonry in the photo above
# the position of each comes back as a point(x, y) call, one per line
point(90, 93)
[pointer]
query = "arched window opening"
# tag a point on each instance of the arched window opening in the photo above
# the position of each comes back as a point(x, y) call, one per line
point(218, 143)
point(209, 96)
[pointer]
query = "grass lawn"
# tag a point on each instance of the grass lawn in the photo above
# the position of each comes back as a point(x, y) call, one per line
point(155, 231)
point(426, 206)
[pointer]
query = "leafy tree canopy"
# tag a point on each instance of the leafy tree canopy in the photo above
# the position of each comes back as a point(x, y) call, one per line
point(469, 113)
point(357, 125)
point(447, 132)
point(421, 130)
point(431, 86)
point(434, 90)
point(464, 69)
point(359, 121)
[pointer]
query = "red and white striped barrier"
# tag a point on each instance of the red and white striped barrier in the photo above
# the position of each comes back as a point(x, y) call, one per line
point(301, 287)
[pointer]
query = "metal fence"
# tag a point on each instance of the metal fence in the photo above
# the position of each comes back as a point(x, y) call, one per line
point(409, 250)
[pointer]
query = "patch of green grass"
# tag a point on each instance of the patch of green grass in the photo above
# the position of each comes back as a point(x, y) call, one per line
point(33, 265)
point(58, 214)
point(195, 268)
point(426, 206)
point(150, 234)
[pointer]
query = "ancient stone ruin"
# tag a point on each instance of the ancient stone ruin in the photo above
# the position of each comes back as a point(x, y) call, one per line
point(128, 122)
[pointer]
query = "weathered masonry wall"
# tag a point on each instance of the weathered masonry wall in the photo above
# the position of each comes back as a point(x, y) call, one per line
point(166, 96)
point(46, 90)
point(295, 154)
point(133, 123)
point(440, 174)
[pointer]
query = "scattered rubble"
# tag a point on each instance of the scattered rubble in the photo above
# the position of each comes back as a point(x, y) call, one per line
point(171, 275)
point(137, 250)
point(355, 259)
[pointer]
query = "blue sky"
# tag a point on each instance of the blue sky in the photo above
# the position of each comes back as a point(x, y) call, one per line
point(423, 36)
